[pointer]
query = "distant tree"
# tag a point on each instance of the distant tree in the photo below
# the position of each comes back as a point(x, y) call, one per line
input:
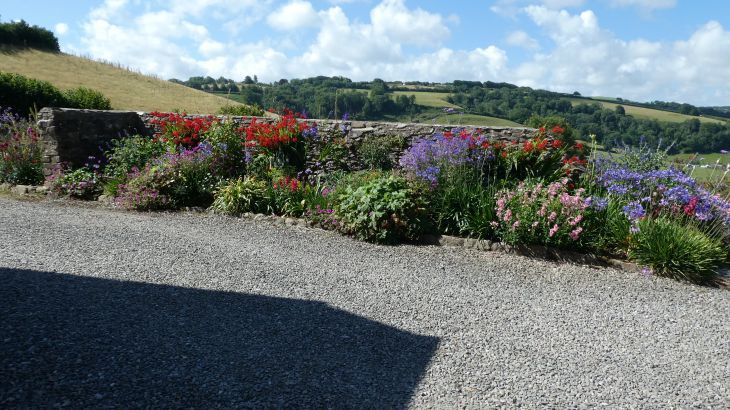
point(255, 79)
point(20, 34)
point(248, 80)
point(620, 110)
point(576, 93)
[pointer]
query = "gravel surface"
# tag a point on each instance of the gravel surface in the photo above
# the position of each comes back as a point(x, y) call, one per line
point(104, 308)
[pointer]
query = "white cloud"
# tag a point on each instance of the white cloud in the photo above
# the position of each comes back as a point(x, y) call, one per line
point(294, 15)
point(521, 39)
point(394, 20)
point(61, 29)
point(590, 59)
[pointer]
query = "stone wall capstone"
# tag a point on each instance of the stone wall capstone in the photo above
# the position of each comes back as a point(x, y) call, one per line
point(72, 135)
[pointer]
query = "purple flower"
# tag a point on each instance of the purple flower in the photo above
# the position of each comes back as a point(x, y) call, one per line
point(596, 203)
point(634, 211)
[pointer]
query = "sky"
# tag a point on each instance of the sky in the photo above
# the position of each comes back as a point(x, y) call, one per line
point(643, 50)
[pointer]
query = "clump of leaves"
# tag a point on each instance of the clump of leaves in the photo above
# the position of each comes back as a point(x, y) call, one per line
point(241, 195)
point(384, 210)
point(677, 250)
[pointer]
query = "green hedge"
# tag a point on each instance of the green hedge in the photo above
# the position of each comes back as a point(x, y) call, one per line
point(24, 94)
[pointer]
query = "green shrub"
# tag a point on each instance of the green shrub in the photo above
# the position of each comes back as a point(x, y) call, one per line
point(375, 152)
point(677, 250)
point(246, 194)
point(129, 153)
point(173, 181)
point(384, 210)
point(229, 153)
point(20, 34)
point(462, 205)
point(241, 110)
point(86, 98)
point(82, 183)
point(20, 150)
point(545, 214)
point(26, 94)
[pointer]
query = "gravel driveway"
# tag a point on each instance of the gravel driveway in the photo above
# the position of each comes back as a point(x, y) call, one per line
point(103, 308)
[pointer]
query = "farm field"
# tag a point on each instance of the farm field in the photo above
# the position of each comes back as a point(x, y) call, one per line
point(644, 113)
point(126, 89)
point(473, 119)
point(428, 99)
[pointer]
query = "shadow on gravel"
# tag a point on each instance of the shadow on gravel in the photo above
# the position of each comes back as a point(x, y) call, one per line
point(87, 342)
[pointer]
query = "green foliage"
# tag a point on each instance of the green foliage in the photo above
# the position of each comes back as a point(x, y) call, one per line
point(462, 205)
point(677, 250)
point(86, 98)
point(241, 110)
point(612, 235)
point(173, 181)
point(229, 154)
point(384, 210)
point(25, 94)
point(375, 152)
point(82, 183)
point(129, 153)
point(241, 195)
point(641, 157)
point(20, 34)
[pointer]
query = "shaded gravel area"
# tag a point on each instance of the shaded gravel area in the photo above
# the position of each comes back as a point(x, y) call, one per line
point(103, 308)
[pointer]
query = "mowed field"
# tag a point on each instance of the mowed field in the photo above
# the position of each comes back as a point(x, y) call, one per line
point(127, 90)
point(644, 113)
point(428, 98)
point(472, 119)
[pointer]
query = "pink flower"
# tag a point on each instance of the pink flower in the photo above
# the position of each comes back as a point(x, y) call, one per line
point(516, 225)
point(552, 216)
point(508, 215)
point(553, 230)
point(575, 221)
point(575, 233)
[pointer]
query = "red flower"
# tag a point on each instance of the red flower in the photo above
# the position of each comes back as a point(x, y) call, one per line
point(579, 146)
point(558, 129)
point(528, 146)
point(557, 144)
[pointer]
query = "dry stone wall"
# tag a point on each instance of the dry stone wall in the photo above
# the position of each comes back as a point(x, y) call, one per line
point(71, 135)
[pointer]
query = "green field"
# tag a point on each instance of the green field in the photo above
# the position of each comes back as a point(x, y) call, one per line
point(429, 99)
point(703, 166)
point(644, 113)
point(472, 119)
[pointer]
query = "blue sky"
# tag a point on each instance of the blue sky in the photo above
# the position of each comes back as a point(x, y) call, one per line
point(645, 50)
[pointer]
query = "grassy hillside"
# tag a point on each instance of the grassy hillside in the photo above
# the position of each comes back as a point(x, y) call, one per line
point(127, 90)
point(429, 99)
point(473, 119)
point(642, 112)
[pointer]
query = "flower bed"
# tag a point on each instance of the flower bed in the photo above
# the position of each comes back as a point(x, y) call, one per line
point(545, 191)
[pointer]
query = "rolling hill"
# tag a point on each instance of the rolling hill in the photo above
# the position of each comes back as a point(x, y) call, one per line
point(642, 112)
point(126, 89)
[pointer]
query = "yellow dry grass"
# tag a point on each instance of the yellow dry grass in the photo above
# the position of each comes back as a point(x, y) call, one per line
point(126, 89)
